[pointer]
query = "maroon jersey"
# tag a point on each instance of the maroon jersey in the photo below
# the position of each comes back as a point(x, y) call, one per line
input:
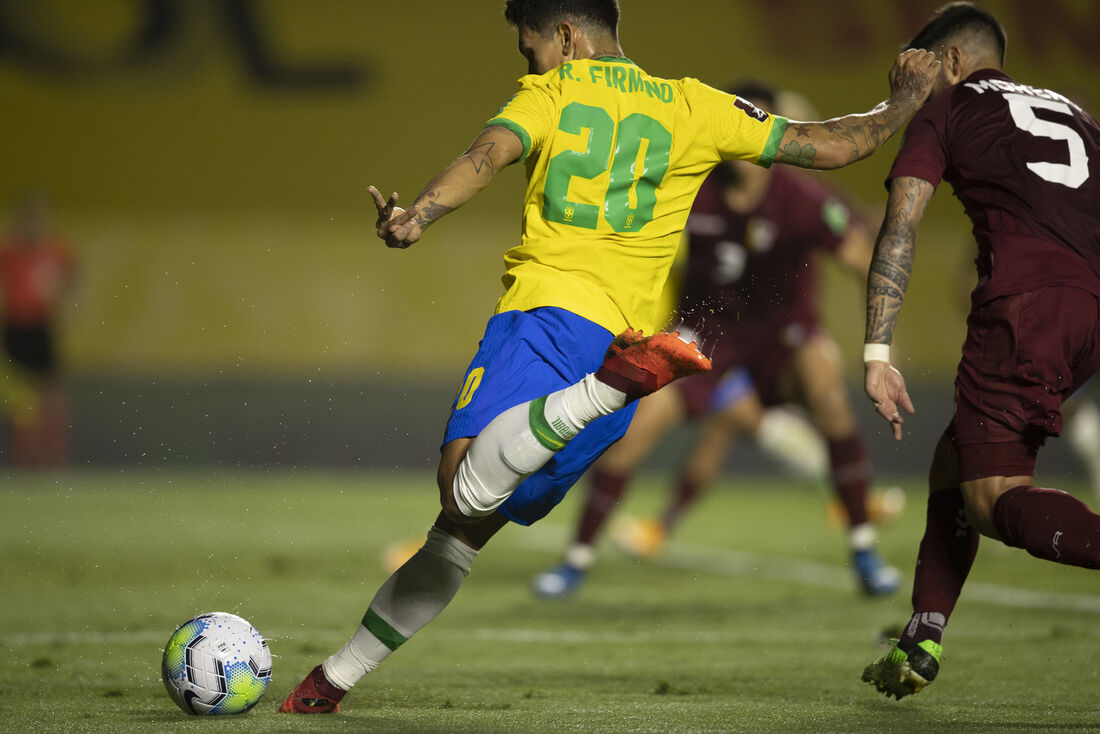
point(756, 270)
point(1023, 161)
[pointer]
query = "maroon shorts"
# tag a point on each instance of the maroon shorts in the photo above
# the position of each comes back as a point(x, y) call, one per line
point(763, 350)
point(1024, 354)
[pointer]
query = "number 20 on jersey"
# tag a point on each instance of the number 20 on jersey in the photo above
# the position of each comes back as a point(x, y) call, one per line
point(596, 159)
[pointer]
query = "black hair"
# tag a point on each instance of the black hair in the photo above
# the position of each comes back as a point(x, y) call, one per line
point(542, 16)
point(751, 89)
point(961, 17)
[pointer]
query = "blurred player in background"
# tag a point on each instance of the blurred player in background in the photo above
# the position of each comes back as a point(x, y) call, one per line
point(36, 273)
point(614, 159)
point(1082, 424)
point(749, 295)
point(1023, 161)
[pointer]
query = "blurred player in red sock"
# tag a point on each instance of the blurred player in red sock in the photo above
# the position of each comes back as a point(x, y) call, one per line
point(1023, 161)
point(36, 273)
point(614, 158)
point(749, 295)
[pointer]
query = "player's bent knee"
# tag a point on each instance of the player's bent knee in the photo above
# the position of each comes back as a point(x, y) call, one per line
point(979, 497)
point(451, 459)
point(471, 497)
point(455, 503)
point(450, 507)
point(445, 481)
point(979, 513)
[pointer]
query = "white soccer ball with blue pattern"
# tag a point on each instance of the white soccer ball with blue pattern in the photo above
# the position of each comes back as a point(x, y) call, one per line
point(216, 663)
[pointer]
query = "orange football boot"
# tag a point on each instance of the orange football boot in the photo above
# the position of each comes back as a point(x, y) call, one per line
point(639, 365)
point(314, 695)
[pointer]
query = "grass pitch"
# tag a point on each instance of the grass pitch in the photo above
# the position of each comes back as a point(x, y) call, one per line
point(750, 622)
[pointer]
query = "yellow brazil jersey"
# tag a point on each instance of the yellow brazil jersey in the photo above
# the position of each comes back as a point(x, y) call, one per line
point(614, 159)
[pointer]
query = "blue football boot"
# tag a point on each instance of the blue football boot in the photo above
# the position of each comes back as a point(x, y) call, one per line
point(875, 577)
point(559, 582)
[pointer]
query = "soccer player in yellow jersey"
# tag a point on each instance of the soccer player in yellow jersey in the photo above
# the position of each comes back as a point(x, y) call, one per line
point(614, 158)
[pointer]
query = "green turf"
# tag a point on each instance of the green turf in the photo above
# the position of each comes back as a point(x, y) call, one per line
point(750, 623)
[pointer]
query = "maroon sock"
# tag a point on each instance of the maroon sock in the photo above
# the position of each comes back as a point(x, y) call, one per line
point(1050, 524)
point(604, 492)
point(851, 470)
point(687, 491)
point(946, 554)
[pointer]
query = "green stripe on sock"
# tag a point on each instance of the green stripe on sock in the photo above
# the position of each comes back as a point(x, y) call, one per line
point(541, 427)
point(381, 629)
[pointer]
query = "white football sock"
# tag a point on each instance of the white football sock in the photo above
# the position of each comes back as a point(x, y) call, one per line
point(791, 439)
point(580, 555)
point(413, 596)
point(519, 441)
point(571, 409)
point(862, 537)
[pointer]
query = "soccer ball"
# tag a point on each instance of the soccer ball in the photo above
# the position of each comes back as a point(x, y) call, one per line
point(216, 663)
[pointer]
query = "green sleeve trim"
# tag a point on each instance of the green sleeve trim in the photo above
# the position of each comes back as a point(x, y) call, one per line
point(381, 629)
point(519, 131)
point(771, 148)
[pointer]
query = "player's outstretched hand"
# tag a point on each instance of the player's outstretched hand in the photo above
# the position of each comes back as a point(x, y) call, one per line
point(397, 227)
point(886, 388)
point(913, 74)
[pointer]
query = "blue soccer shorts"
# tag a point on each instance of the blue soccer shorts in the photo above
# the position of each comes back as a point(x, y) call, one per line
point(525, 355)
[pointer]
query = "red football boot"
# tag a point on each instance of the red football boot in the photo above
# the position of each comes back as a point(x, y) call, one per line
point(314, 695)
point(639, 365)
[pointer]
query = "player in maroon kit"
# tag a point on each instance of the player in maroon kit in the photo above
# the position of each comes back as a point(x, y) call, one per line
point(1023, 161)
point(749, 294)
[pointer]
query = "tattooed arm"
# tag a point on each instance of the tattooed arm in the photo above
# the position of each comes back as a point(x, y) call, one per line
point(887, 282)
point(843, 140)
point(492, 150)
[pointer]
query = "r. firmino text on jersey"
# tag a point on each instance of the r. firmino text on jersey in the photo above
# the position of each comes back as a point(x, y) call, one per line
point(625, 78)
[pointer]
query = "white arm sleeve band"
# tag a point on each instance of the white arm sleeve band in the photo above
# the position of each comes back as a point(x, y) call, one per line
point(876, 353)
